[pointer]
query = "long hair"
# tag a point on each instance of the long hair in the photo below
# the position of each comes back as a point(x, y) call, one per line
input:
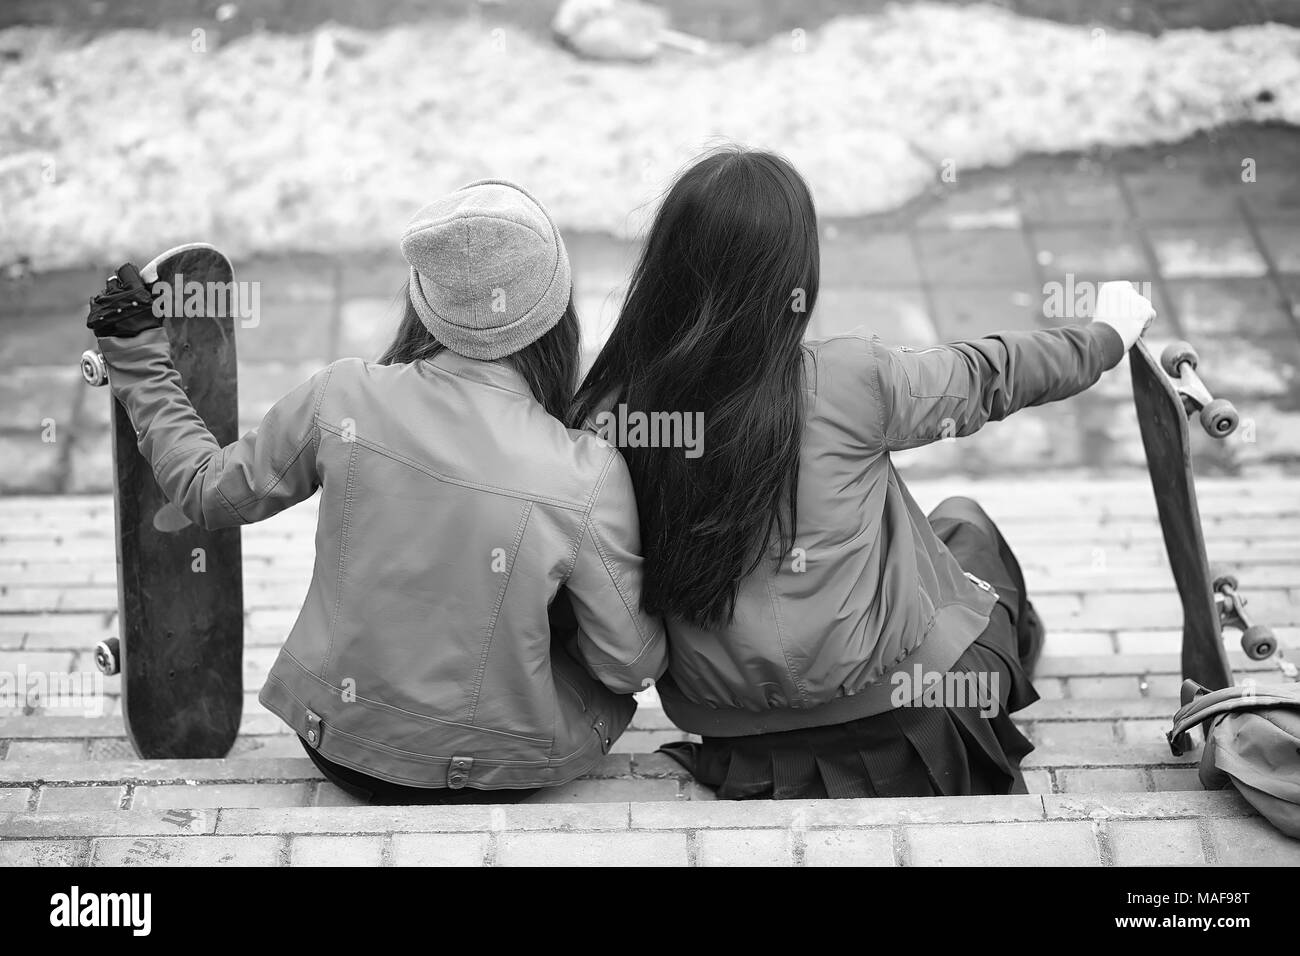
point(549, 365)
point(713, 323)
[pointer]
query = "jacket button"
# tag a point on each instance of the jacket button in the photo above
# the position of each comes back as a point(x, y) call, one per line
point(459, 771)
point(311, 736)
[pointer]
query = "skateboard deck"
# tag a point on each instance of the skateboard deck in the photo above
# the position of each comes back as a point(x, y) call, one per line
point(180, 588)
point(1162, 417)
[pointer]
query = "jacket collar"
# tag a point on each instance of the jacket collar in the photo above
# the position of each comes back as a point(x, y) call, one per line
point(496, 374)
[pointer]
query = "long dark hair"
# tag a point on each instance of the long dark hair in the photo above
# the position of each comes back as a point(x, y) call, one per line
point(713, 323)
point(549, 365)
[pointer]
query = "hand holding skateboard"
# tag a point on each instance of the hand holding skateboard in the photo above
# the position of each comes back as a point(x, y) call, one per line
point(180, 586)
point(1125, 310)
point(125, 307)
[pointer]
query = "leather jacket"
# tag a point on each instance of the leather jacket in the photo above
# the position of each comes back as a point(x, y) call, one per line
point(869, 591)
point(453, 511)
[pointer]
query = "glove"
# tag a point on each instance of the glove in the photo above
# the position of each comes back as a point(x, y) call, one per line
point(125, 307)
point(1121, 307)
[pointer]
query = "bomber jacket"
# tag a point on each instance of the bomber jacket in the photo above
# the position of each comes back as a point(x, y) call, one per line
point(868, 590)
point(453, 511)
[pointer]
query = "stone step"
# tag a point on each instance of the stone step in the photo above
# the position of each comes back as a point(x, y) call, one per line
point(1082, 746)
point(1113, 606)
point(1109, 680)
point(1058, 676)
point(1080, 830)
point(1108, 752)
point(44, 783)
point(89, 561)
point(77, 633)
point(1061, 495)
point(95, 528)
point(281, 586)
point(1095, 743)
point(261, 722)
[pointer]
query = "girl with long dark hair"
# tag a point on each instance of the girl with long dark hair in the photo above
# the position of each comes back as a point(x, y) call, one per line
point(472, 630)
point(826, 637)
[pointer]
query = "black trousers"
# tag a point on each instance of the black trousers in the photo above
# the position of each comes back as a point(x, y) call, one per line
point(979, 547)
point(373, 790)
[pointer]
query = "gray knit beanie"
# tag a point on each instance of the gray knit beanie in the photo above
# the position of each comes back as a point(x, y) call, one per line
point(489, 271)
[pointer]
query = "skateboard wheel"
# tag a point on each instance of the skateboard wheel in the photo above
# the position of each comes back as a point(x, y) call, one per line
point(1219, 418)
point(93, 369)
point(1258, 642)
point(107, 656)
point(1222, 578)
point(1174, 355)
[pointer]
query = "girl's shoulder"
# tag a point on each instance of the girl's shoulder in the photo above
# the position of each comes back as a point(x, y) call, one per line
point(847, 360)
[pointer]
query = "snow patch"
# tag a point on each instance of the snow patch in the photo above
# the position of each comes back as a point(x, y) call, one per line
point(134, 141)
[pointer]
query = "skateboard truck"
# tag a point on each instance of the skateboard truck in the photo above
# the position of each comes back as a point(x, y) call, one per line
point(108, 658)
point(1257, 640)
point(93, 368)
point(1218, 416)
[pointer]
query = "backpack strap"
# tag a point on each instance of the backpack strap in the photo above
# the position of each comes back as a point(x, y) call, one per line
point(1200, 705)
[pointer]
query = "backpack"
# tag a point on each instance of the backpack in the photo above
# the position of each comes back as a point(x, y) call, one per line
point(1252, 740)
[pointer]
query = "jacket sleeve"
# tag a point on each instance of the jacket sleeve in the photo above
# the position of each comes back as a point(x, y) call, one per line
point(623, 647)
point(953, 390)
point(265, 471)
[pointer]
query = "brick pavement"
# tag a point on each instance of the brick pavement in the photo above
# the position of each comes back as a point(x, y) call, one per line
point(1223, 261)
point(1101, 830)
point(70, 787)
point(1221, 257)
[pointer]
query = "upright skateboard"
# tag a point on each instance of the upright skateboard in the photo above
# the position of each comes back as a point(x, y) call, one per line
point(1166, 395)
point(180, 588)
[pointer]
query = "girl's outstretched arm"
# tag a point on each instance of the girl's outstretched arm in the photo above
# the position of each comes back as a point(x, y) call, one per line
point(265, 471)
point(952, 390)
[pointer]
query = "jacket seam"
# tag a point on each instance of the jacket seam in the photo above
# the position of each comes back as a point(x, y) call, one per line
point(878, 388)
point(539, 763)
point(598, 485)
point(475, 381)
point(344, 523)
point(571, 562)
point(589, 530)
point(275, 480)
point(333, 728)
point(618, 586)
point(311, 438)
point(378, 704)
point(477, 486)
point(188, 448)
point(496, 612)
point(229, 506)
point(911, 388)
point(320, 400)
point(775, 603)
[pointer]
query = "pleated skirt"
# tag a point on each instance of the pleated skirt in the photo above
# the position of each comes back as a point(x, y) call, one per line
point(904, 752)
point(907, 751)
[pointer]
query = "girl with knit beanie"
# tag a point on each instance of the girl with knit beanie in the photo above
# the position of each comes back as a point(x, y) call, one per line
point(473, 628)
